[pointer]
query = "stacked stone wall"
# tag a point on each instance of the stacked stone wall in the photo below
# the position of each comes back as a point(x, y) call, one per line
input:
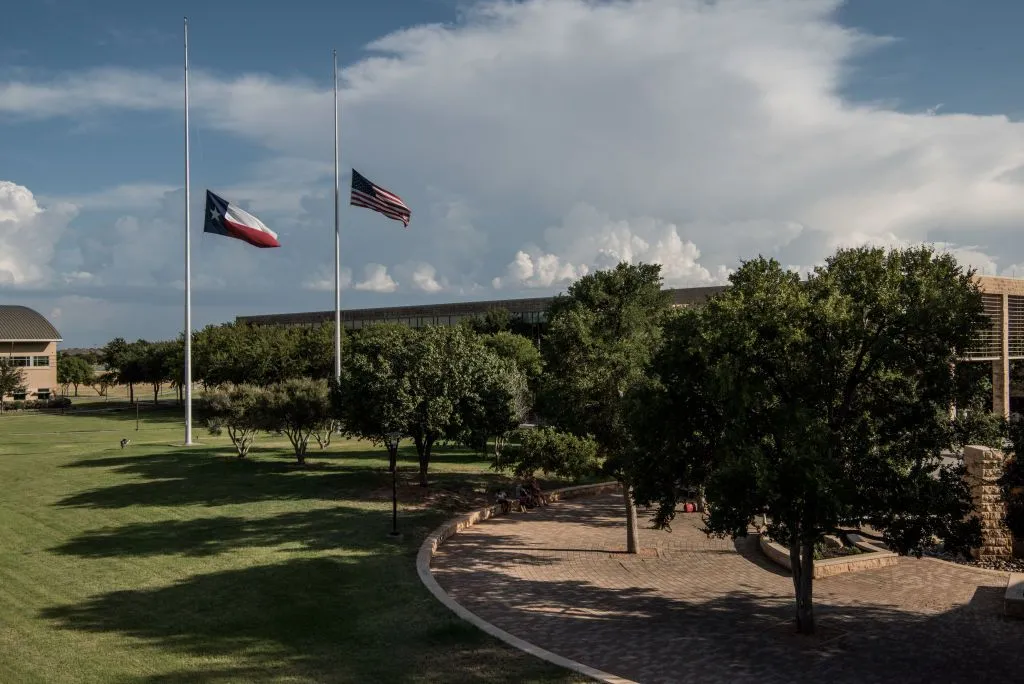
point(984, 468)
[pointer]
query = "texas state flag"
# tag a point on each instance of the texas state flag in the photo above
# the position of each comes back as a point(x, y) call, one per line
point(224, 218)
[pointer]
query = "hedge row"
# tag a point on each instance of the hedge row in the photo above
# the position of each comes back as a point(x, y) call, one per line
point(55, 403)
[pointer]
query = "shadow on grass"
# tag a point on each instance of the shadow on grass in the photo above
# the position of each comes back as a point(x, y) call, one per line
point(357, 619)
point(211, 475)
point(123, 411)
point(342, 527)
point(367, 618)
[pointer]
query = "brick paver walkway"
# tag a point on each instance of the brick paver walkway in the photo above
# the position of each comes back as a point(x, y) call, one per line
point(693, 609)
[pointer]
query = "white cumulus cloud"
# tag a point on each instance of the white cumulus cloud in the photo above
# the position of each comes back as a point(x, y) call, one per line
point(377, 279)
point(28, 235)
point(539, 140)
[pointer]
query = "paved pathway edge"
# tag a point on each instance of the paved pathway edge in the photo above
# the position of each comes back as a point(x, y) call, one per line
point(459, 523)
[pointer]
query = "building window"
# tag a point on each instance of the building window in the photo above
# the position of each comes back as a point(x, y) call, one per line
point(43, 393)
point(21, 360)
point(40, 360)
point(19, 396)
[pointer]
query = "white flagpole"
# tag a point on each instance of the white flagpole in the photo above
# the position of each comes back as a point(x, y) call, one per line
point(337, 235)
point(187, 381)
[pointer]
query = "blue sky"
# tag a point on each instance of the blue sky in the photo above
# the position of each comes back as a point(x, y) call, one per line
point(535, 141)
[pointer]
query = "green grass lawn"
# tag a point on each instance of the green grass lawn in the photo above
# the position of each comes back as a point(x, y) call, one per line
point(161, 563)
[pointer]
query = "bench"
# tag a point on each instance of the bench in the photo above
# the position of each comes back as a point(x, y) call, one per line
point(1013, 600)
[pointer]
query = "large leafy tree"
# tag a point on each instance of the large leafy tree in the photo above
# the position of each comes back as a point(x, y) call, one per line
point(261, 355)
point(602, 336)
point(12, 380)
point(121, 359)
point(159, 364)
point(498, 402)
point(829, 403)
point(518, 349)
point(676, 419)
point(374, 396)
point(73, 370)
point(432, 384)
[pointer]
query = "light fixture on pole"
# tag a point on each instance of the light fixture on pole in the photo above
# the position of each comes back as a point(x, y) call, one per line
point(391, 440)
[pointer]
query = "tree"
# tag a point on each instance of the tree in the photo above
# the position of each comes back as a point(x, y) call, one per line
point(12, 380)
point(154, 367)
point(675, 419)
point(830, 403)
point(430, 384)
point(103, 381)
point(374, 395)
point(1012, 481)
point(498, 402)
point(495, 320)
point(128, 361)
point(73, 370)
point(262, 355)
point(551, 451)
point(518, 349)
point(235, 409)
point(601, 338)
point(296, 408)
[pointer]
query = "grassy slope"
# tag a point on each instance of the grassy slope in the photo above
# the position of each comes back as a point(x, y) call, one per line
point(159, 564)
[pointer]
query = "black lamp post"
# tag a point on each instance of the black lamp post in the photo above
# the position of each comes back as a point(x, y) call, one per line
point(392, 440)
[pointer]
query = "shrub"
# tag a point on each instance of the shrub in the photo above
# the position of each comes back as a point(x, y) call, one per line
point(235, 409)
point(550, 451)
point(297, 408)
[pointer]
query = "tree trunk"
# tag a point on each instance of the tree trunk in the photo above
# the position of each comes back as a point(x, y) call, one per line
point(423, 449)
point(632, 528)
point(76, 389)
point(801, 557)
point(131, 393)
point(156, 393)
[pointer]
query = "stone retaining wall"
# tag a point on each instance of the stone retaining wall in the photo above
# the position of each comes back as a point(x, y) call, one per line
point(984, 467)
point(873, 557)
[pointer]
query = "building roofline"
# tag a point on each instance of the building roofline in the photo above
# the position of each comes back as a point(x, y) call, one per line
point(515, 305)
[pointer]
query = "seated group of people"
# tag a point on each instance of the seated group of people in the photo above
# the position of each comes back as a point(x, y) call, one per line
point(528, 495)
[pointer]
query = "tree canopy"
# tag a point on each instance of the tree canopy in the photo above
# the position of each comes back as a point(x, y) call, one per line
point(12, 380)
point(236, 353)
point(601, 338)
point(431, 384)
point(73, 370)
point(819, 403)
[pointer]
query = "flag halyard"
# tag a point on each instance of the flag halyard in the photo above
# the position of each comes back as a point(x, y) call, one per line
point(224, 218)
point(371, 196)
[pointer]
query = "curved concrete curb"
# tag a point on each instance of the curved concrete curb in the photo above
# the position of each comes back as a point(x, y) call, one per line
point(456, 525)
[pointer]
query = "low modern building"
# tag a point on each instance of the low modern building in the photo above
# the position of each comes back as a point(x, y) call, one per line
point(531, 311)
point(30, 342)
point(1001, 345)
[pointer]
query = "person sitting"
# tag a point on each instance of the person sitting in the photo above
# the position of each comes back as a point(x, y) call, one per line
point(535, 492)
point(506, 503)
point(524, 498)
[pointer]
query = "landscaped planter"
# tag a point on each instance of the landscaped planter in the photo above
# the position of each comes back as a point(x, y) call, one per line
point(871, 558)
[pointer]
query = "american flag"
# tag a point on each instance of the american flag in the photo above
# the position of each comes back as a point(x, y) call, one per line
point(366, 194)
